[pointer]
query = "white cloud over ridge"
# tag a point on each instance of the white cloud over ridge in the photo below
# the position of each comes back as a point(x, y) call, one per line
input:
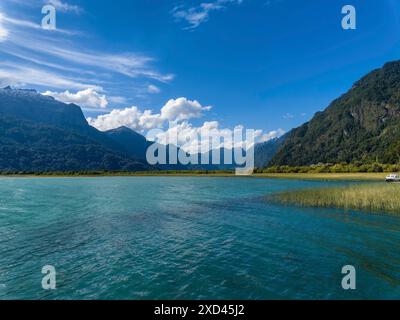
point(189, 137)
point(174, 110)
point(175, 114)
point(132, 118)
point(272, 135)
point(88, 98)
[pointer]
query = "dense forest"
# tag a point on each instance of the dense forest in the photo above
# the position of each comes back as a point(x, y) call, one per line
point(362, 125)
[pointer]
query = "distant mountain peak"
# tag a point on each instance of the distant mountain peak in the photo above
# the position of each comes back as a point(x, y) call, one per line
point(39, 133)
point(9, 88)
point(123, 128)
point(28, 104)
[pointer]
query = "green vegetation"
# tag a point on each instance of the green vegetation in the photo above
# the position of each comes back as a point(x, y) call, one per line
point(120, 173)
point(356, 167)
point(325, 176)
point(38, 133)
point(361, 125)
point(367, 197)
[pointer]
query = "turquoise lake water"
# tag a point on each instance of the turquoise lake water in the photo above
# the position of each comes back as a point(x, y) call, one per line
point(187, 238)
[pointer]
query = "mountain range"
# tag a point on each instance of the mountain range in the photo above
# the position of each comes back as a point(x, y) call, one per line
point(41, 134)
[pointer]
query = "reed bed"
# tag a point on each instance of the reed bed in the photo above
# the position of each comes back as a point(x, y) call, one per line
point(372, 197)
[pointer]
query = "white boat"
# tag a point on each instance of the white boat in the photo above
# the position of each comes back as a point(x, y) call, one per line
point(393, 178)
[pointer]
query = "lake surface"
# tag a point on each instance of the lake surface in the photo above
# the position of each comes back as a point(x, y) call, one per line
point(187, 238)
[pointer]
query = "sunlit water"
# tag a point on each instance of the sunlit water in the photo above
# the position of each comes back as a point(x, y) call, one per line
point(187, 238)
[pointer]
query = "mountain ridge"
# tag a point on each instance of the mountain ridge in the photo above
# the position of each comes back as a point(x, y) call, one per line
point(360, 125)
point(39, 133)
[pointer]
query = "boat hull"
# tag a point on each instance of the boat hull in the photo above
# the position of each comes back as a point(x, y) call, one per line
point(392, 181)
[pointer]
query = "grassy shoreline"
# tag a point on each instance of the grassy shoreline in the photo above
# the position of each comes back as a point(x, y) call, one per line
point(297, 176)
point(378, 198)
point(119, 174)
point(327, 176)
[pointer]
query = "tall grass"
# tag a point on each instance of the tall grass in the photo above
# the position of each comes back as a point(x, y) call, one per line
point(326, 176)
point(367, 197)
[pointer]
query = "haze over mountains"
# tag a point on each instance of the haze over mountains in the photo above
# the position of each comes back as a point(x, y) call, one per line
point(40, 134)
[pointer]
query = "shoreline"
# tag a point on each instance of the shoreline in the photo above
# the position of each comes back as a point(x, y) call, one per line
point(296, 176)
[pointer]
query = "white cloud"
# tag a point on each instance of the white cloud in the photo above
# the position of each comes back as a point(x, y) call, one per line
point(129, 64)
point(272, 135)
point(20, 75)
point(3, 34)
point(153, 89)
point(195, 16)
point(42, 53)
point(288, 116)
point(173, 111)
point(131, 117)
point(31, 25)
point(64, 6)
point(117, 100)
point(182, 109)
point(176, 114)
point(89, 98)
point(188, 137)
point(3, 30)
point(191, 138)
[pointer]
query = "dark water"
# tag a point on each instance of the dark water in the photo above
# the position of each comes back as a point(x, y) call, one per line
point(187, 238)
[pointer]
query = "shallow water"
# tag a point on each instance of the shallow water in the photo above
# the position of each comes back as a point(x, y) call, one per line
point(187, 238)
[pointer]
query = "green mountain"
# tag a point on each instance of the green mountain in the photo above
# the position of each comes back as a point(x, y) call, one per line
point(133, 143)
point(264, 152)
point(39, 134)
point(361, 125)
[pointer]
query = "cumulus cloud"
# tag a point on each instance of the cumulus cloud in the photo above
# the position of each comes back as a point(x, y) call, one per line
point(89, 98)
point(210, 135)
point(176, 114)
point(131, 118)
point(272, 135)
point(182, 109)
point(174, 110)
point(189, 137)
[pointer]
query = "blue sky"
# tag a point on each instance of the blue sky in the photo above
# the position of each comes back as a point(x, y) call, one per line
point(267, 64)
